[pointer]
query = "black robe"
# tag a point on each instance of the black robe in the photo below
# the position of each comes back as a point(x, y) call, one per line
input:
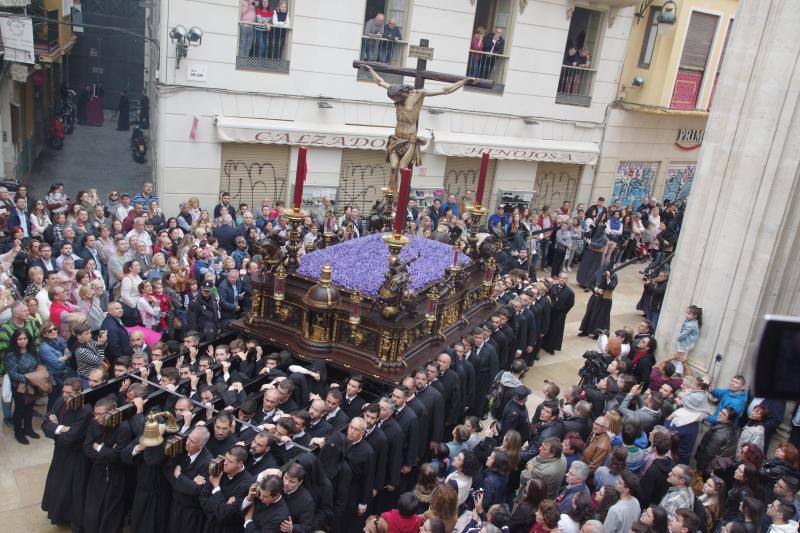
point(466, 374)
point(563, 300)
point(448, 384)
point(104, 508)
point(65, 487)
point(221, 516)
point(501, 344)
point(377, 441)
point(256, 467)
point(361, 459)
point(486, 364)
point(339, 420)
point(394, 462)
point(321, 429)
point(220, 447)
point(598, 310)
point(354, 407)
point(434, 403)
point(152, 495)
point(301, 508)
point(423, 423)
point(185, 515)
point(268, 518)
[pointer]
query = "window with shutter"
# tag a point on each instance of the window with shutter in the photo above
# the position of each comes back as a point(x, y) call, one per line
point(699, 39)
point(250, 172)
point(696, 49)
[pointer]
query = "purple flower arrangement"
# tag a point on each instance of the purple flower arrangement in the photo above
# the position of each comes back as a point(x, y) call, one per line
point(362, 263)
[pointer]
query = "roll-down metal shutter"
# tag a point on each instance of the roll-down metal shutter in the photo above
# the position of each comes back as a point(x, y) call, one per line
point(250, 172)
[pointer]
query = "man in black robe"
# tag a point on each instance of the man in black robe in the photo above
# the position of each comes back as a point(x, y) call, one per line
point(387, 496)
point(500, 340)
point(65, 487)
point(466, 374)
point(563, 299)
point(336, 416)
point(318, 426)
point(376, 438)
point(360, 457)
point(484, 359)
point(151, 493)
point(353, 403)
point(187, 474)
point(598, 310)
point(423, 421)
point(221, 496)
point(123, 112)
point(298, 499)
point(407, 419)
point(261, 456)
point(432, 399)
point(448, 384)
point(542, 311)
point(222, 437)
point(104, 507)
point(264, 506)
point(521, 327)
point(531, 319)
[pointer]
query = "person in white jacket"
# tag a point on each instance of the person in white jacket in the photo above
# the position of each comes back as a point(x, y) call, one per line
point(781, 513)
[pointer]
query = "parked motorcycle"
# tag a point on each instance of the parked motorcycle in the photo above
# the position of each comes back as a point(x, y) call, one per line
point(138, 145)
point(55, 133)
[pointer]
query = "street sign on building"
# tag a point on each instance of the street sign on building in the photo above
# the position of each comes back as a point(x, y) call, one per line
point(17, 36)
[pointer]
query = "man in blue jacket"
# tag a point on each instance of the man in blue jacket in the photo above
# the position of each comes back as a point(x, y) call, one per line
point(231, 295)
point(119, 342)
point(735, 397)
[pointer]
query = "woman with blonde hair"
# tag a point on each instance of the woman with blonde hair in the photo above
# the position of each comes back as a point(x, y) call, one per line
point(194, 208)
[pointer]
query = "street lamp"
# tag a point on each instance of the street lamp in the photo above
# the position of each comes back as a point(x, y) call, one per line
point(183, 39)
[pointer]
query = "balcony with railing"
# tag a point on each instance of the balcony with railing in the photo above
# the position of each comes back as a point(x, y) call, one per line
point(575, 86)
point(263, 47)
point(489, 66)
point(389, 51)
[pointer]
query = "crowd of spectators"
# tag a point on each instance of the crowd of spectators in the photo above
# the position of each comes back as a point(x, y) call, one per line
point(134, 303)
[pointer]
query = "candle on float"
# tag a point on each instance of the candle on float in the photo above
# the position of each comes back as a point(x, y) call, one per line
point(402, 201)
point(300, 177)
point(482, 178)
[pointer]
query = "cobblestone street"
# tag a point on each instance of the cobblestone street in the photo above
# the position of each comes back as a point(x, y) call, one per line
point(92, 157)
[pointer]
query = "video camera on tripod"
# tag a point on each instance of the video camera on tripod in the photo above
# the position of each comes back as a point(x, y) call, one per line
point(594, 369)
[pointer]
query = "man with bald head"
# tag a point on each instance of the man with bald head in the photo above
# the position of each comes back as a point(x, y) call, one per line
point(266, 415)
point(187, 474)
point(318, 426)
point(449, 386)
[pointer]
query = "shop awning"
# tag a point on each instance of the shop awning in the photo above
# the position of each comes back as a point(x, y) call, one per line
point(253, 130)
point(470, 145)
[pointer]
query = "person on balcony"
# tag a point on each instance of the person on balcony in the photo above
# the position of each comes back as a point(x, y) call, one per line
point(247, 16)
point(475, 56)
point(280, 21)
point(493, 46)
point(391, 33)
point(262, 28)
point(373, 31)
point(570, 60)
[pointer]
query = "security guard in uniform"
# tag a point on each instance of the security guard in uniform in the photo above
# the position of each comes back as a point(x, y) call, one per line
point(515, 415)
point(204, 315)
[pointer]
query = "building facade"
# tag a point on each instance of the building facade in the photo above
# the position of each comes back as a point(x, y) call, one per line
point(231, 114)
point(657, 123)
point(30, 90)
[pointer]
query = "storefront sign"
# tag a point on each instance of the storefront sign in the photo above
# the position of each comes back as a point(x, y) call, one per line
point(689, 139)
point(520, 154)
point(17, 36)
point(294, 138)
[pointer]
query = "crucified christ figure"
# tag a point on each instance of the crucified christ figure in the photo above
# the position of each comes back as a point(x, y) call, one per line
point(403, 148)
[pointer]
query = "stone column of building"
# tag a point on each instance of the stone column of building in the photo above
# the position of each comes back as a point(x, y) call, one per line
point(739, 246)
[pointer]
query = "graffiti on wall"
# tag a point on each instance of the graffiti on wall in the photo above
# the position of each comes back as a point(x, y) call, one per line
point(556, 184)
point(250, 181)
point(679, 182)
point(634, 182)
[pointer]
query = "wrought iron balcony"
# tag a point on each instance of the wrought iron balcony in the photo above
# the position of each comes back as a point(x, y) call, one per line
point(263, 47)
point(487, 65)
point(391, 52)
point(575, 86)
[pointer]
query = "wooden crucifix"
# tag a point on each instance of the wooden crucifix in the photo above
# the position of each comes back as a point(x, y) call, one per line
point(403, 148)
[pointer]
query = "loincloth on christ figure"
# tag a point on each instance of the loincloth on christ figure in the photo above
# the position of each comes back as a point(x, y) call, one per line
point(400, 146)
